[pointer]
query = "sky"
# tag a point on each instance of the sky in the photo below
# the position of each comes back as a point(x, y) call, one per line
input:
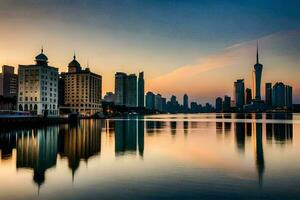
point(198, 47)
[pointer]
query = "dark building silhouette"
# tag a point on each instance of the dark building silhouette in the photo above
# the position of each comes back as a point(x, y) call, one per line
point(120, 88)
point(131, 91)
point(257, 74)
point(268, 94)
point(226, 104)
point(248, 96)
point(239, 92)
point(218, 105)
point(8, 82)
point(282, 96)
point(150, 100)
point(141, 90)
point(185, 103)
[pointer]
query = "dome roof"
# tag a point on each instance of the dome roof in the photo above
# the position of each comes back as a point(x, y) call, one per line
point(41, 57)
point(74, 63)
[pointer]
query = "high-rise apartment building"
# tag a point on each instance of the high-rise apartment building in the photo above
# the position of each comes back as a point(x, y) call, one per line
point(8, 82)
point(141, 90)
point(239, 92)
point(268, 94)
point(131, 90)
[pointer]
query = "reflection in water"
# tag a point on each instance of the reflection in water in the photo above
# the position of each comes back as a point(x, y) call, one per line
point(7, 144)
point(240, 136)
point(173, 125)
point(260, 161)
point(129, 135)
point(79, 142)
point(37, 150)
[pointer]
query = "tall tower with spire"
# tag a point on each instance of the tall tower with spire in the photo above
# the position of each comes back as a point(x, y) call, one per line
point(257, 74)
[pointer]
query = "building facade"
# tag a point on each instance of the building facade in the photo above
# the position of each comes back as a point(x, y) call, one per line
point(131, 90)
point(218, 105)
point(150, 101)
point(120, 88)
point(239, 91)
point(282, 96)
point(8, 82)
point(185, 103)
point(82, 90)
point(38, 87)
point(141, 90)
point(248, 96)
point(268, 94)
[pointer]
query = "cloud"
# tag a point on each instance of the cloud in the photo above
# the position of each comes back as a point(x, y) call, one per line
point(214, 75)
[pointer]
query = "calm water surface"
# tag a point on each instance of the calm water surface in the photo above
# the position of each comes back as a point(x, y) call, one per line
point(205, 156)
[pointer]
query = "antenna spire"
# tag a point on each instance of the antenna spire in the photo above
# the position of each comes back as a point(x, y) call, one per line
point(257, 56)
point(42, 49)
point(74, 56)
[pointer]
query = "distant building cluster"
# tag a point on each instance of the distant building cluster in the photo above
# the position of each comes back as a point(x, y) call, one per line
point(277, 97)
point(129, 90)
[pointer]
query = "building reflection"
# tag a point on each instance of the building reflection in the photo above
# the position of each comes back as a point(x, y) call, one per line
point(279, 133)
point(37, 150)
point(7, 144)
point(79, 142)
point(129, 137)
point(173, 125)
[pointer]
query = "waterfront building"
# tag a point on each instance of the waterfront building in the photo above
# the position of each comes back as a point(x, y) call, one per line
point(226, 103)
point(150, 101)
point(120, 83)
point(239, 91)
point(8, 82)
point(141, 90)
point(82, 89)
point(38, 87)
point(131, 90)
point(282, 96)
point(158, 102)
point(109, 97)
point(257, 74)
point(248, 96)
point(218, 105)
point(185, 103)
point(164, 104)
point(268, 94)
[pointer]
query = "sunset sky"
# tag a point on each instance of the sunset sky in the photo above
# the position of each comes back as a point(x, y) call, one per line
point(199, 47)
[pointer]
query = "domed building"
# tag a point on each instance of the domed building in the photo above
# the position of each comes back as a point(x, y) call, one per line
point(82, 90)
point(38, 87)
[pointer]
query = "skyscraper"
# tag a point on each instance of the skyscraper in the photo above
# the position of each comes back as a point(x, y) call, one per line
point(185, 103)
point(218, 105)
point(239, 91)
point(131, 90)
point(282, 96)
point(257, 74)
point(8, 82)
point(226, 104)
point(158, 102)
point(141, 90)
point(150, 101)
point(268, 95)
point(248, 96)
point(120, 87)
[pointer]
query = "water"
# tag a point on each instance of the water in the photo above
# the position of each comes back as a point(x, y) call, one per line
point(203, 156)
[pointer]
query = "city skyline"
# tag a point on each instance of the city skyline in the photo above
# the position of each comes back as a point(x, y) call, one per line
point(152, 45)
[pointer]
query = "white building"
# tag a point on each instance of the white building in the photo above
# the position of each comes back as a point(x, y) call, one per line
point(38, 87)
